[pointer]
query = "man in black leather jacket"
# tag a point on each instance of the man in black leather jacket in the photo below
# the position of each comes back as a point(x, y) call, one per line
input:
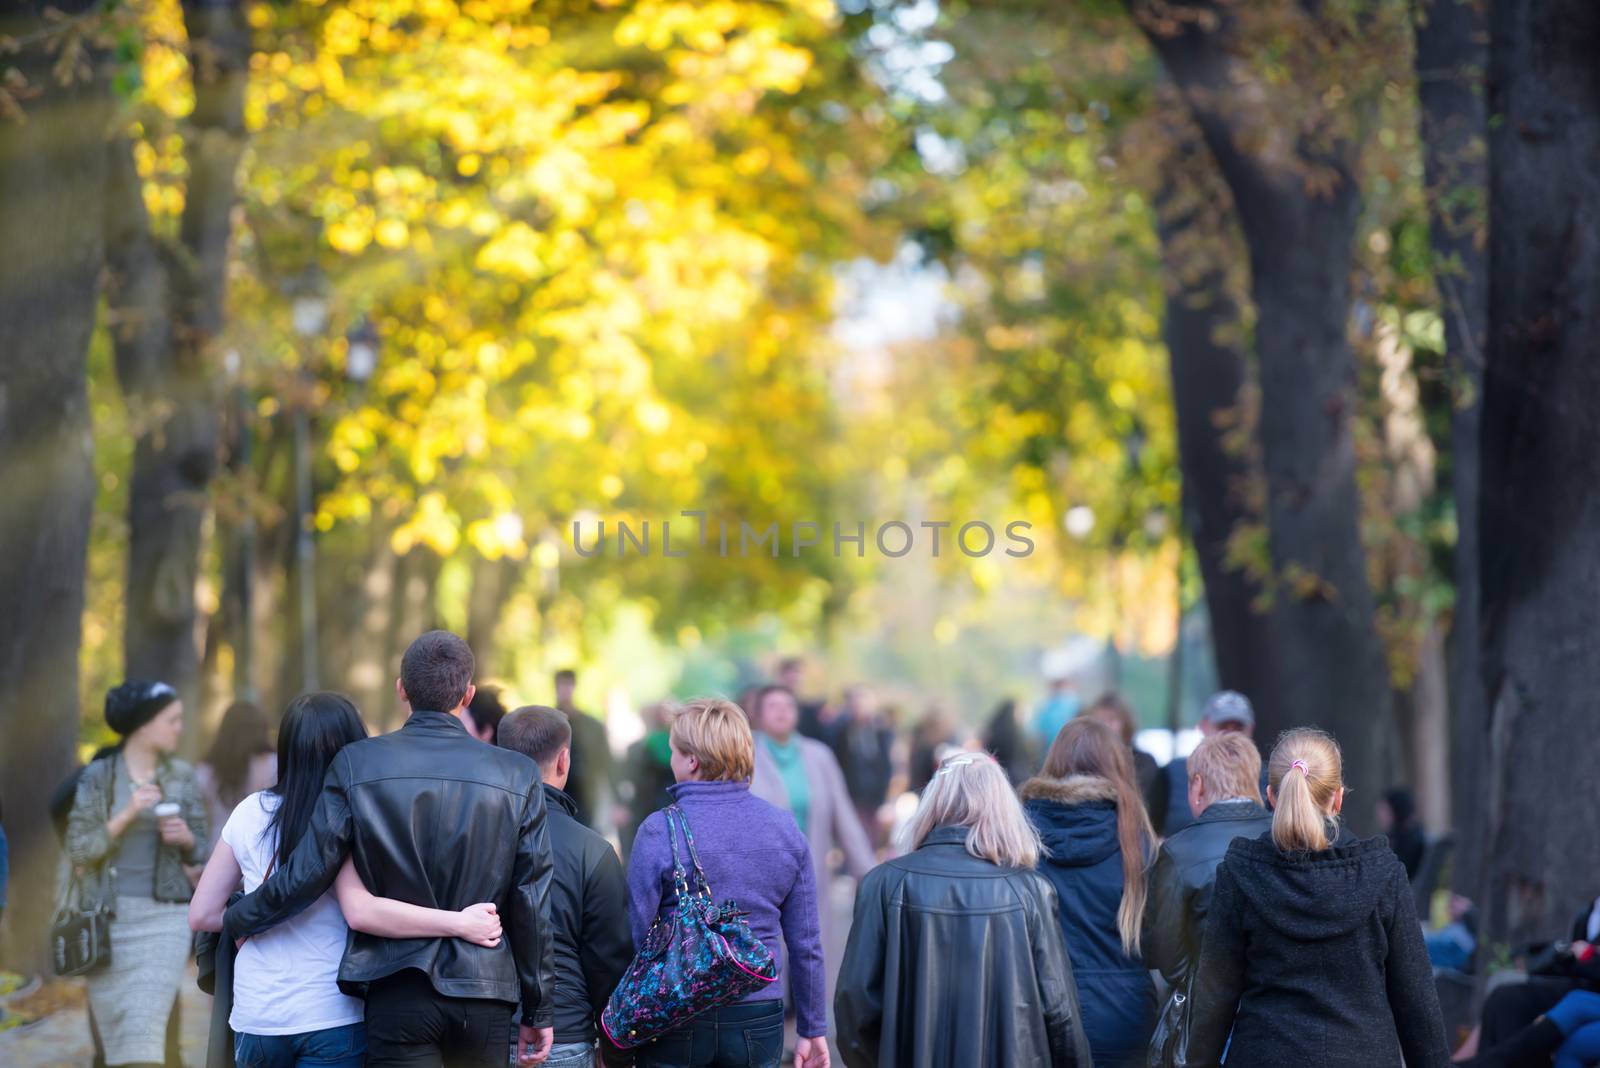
point(1223, 774)
point(433, 817)
point(588, 895)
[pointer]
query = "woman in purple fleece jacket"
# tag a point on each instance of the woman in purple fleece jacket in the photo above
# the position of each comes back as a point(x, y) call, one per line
point(754, 853)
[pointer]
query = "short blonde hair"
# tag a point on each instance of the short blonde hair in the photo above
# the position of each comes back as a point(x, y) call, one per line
point(970, 790)
point(1230, 764)
point(716, 733)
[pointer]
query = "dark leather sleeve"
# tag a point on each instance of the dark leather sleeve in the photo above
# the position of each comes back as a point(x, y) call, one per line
point(605, 944)
point(1219, 974)
point(312, 866)
point(1413, 998)
point(530, 939)
point(858, 997)
point(1058, 988)
point(1166, 920)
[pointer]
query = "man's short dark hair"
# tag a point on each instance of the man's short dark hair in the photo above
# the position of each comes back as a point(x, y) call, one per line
point(487, 709)
point(566, 675)
point(536, 731)
point(436, 671)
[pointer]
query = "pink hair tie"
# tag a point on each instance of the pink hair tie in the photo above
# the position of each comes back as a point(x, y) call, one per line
point(1301, 766)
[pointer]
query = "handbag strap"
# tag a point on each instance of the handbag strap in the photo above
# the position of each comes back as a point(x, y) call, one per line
point(700, 884)
point(680, 878)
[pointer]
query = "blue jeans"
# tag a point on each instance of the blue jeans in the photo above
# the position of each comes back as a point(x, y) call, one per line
point(1578, 1017)
point(748, 1035)
point(5, 868)
point(571, 1055)
point(335, 1047)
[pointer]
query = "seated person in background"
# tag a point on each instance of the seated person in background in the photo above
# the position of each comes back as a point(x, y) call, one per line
point(1453, 945)
point(588, 893)
point(1570, 1032)
point(1223, 772)
point(1555, 970)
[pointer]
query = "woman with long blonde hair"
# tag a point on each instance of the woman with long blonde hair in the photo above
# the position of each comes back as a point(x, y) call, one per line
point(955, 957)
point(1098, 844)
point(1312, 952)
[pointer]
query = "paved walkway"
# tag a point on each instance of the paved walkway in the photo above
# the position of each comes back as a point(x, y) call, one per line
point(60, 1039)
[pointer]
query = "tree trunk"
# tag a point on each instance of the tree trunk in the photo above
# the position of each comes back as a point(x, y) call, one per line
point(370, 676)
point(1204, 333)
point(493, 582)
point(1539, 524)
point(1297, 200)
point(1452, 56)
point(52, 175)
point(169, 380)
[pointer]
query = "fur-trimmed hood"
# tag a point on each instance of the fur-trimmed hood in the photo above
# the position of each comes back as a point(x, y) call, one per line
point(1073, 790)
point(1076, 818)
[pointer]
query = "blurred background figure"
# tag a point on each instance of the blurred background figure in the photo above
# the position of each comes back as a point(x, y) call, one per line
point(1059, 706)
point(866, 757)
point(1004, 737)
point(590, 782)
point(241, 761)
point(801, 776)
point(1397, 820)
point(1111, 709)
point(484, 714)
point(647, 773)
point(934, 730)
point(818, 719)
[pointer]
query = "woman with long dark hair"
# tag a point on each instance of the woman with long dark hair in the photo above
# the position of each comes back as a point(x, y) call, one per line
point(1098, 845)
point(240, 762)
point(287, 1008)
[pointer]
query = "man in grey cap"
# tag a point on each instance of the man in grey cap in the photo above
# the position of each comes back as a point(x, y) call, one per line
point(1228, 710)
point(1225, 710)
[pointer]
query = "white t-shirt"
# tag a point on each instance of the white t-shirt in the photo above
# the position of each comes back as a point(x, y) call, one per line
point(285, 980)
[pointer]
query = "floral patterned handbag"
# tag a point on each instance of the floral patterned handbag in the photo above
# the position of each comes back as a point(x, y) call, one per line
point(704, 957)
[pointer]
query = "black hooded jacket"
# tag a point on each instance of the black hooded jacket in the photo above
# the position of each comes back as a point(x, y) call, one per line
point(1315, 958)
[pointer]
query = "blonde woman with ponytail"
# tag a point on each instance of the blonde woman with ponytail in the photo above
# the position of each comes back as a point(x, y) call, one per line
point(1312, 952)
point(1098, 844)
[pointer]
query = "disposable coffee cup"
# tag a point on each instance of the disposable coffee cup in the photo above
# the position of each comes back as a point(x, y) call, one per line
point(167, 810)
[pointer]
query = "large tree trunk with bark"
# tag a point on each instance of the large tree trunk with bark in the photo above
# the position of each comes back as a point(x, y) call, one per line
point(1297, 199)
point(1452, 54)
point(1204, 331)
point(52, 171)
point(170, 378)
point(1540, 519)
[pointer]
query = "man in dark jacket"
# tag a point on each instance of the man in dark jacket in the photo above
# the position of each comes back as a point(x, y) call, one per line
point(433, 817)
point(592, 773)
point(1222, 775)
point(588, 895)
